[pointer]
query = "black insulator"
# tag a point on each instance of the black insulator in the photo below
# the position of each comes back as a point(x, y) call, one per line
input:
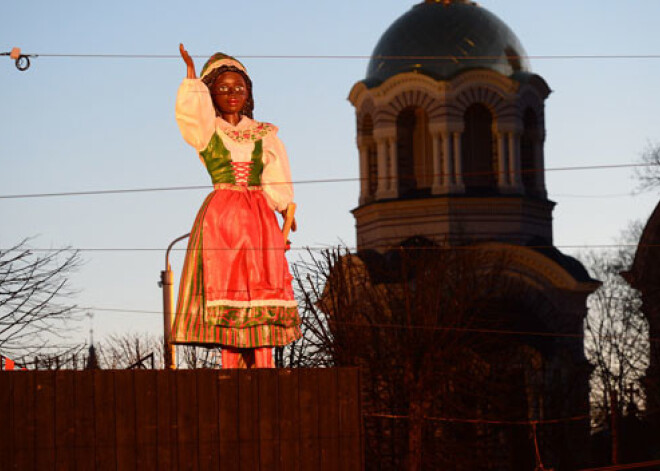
point(22, 63)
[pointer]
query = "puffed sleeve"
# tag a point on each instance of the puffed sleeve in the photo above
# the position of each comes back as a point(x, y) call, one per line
point(195, 113)
point(276, 177)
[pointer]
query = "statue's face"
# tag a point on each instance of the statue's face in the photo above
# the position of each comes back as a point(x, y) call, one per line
point(229, 93)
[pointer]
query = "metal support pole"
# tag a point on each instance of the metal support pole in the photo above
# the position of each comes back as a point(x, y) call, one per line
point(167, 283)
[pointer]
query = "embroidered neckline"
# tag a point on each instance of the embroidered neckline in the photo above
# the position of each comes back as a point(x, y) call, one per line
point(249, 134)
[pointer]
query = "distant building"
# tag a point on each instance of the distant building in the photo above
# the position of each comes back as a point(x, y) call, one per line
point(450, 132)
point(644, 275)
point(92, 362)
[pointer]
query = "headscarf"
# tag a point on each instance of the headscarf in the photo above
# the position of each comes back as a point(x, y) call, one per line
point(218, 60)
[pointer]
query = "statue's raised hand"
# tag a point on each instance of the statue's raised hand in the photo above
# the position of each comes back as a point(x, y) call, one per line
point(189, 62)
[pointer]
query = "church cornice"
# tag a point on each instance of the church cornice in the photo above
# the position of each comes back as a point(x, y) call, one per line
point(537, 267)
point(448, 99)
point(484, 77)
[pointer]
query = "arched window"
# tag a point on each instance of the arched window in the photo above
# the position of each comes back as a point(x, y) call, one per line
point(477, 149)
point(372, 155)
point(414, 154)
point(528, 161)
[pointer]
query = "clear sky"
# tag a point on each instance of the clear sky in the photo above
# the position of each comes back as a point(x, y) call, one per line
point(77, 124)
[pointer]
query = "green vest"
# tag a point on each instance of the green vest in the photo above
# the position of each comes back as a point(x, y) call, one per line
point(218, 162)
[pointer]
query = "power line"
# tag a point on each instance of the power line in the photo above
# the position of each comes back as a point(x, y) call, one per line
point(451, 58)
point(470, 330)
point(631, 194)
point(483, 421)
point(473, 330)
point(617, 467)
point(314, 181)
point(106, 192)
point(341, 248)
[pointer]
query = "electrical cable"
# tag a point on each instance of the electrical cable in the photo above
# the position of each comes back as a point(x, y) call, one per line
point(615, 467)
point(348, 249)
point(390, 326)
point(469, 330)
point(483, 421)
point(317, 181)
point(631, 194)
point(451, 58)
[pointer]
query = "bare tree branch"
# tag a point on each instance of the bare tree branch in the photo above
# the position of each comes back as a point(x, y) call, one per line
point(34, 292)
point(648, 176)
point(616, 331)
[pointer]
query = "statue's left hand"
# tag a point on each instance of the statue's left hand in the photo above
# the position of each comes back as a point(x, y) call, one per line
point(294, 225)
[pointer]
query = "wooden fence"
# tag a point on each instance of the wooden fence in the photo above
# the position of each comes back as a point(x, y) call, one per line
point(223, 420)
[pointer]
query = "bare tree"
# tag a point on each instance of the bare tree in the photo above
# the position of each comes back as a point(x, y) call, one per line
point(125, 351)
point(146, 351)
point(69, 358)
point(648, 174)
point(616, 332)
point(34, 293)
point(414, 321)
point(131, 350)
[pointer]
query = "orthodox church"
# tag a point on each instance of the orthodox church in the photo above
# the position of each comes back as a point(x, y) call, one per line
point(450, 132)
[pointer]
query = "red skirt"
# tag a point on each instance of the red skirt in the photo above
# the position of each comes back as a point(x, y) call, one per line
point(235, 287)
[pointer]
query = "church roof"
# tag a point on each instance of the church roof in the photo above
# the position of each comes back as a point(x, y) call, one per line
point(645, 270)
point(443, 39)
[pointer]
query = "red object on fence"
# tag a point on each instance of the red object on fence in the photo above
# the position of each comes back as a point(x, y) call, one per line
point(7, 363)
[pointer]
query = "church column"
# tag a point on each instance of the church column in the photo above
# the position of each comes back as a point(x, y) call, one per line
point(447, 161)
point(363, 149)
point(539, 166)
point(514, 162)
point(383, 174)
point(393, 184)
point(502, 163)
point(458, 162)
point(438, 172)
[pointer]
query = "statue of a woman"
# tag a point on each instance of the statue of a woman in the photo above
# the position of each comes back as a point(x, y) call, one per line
point(235, 289)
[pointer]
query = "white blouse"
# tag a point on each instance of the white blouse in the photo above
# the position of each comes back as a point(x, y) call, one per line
point(197, 121)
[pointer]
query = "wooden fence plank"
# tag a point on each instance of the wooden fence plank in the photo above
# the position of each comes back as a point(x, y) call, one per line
point(328, 420)
point(44, 404)
point(65, 426)
point(309, 420)
point(125, 420)
point(84, 420)
point(248, 429)
point(7, 417)
point(24, 420)
point(228, 420)
point(146, 420)
point(209, 434)
point(186, 419)
point(289, 414)
point(104, 411)
point(166, 433)
point(268, 419)
point(350, 420)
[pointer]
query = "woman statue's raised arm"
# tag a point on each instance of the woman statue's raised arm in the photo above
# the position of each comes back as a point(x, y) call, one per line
point(189, 62)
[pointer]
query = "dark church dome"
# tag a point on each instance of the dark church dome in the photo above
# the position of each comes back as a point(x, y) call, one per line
point(441, 40)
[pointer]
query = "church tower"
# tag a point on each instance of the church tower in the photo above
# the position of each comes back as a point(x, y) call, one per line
point(450, 131)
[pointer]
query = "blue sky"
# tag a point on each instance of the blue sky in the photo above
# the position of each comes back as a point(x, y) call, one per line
point(76, 124)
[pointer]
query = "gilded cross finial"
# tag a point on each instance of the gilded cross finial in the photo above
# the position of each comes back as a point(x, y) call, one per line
point(445, 2)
